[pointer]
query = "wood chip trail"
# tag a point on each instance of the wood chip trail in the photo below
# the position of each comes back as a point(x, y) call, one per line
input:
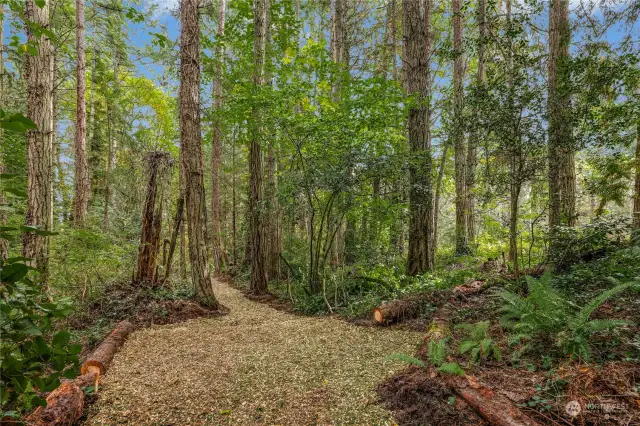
point(256, 365)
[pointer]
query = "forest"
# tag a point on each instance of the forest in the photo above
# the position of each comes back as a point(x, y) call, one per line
point(320, 212)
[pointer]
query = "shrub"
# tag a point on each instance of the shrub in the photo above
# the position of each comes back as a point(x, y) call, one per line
point(32, 357)
point(547, 314)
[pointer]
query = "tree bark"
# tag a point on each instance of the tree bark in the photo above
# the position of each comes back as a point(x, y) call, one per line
point(636, 195)
point(82, 188)
point(256, 225)
point(4, 244)
point(416, 71)
point(438, 196)
point(457, 134)
point(101, 357)
point(561, 158)
point(272, 237)
point(39, 77)
point(216, 157)
point(191, 152)
point(112, 143)
point(148, 252)
point(472, 156)
point(177, 224)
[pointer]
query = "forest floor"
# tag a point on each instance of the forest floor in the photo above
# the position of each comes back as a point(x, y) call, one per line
point(256, 365)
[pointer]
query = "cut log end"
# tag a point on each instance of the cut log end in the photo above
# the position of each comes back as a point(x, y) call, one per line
point(93, 366)
point(101, 358)
point(378, 316)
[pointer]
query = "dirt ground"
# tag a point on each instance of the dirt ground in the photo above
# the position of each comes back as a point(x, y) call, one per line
point(256, 365)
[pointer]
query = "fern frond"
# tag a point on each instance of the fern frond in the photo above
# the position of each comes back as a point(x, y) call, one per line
point(466, 346)
point(451, 368)
point(583, 316)
point(408, 359)
point(602, 325)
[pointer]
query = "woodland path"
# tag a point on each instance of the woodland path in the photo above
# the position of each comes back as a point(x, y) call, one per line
point(256, 365)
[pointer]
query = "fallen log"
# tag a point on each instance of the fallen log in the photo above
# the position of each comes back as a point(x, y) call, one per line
point(64, 405)
point(100, 359)
point(471, 287)
point(497, 409)
point(397, 311)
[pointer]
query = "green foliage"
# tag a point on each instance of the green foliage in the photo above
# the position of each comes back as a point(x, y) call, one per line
point(437, 351)
point(407, 359)
point(590, 241)
point(478, 343)
point(32, 357)
point(547, 314)
point(451, 368)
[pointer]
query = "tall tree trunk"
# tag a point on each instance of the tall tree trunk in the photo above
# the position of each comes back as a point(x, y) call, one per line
point(256, 225)
point(272, 237)
point(438, 196)
point(472, 159)
point(182, 229)
point(148, 251)
point(234, 209)
point(191, 151)
point(112, 141)
point(561, 158)
point(39, 76)
point(416, 74)
point(457, 134)
point(216, 210)
point(636, 194)
point(4, 244)
point(91, 124)
point(177, 223)
point(81, 192)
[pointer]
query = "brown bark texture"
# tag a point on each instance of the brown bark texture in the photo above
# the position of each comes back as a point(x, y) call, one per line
point(82, 183)
point(216, 157)
point(148, 251)
point(416, 73)
point(39, 78)
point(561, 153)
point(258, 283)
point(457, 134)
point(101, 357)
point(191, 152)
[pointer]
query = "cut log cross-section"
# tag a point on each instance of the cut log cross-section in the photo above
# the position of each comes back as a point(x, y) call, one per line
point(397, 311)
point(66, 403)
point(100, 359)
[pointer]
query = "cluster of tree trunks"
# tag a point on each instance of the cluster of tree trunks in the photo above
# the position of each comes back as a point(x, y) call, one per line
point(66, 403)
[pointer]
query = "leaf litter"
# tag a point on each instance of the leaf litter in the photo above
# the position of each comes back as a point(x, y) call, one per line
point(256, 365)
